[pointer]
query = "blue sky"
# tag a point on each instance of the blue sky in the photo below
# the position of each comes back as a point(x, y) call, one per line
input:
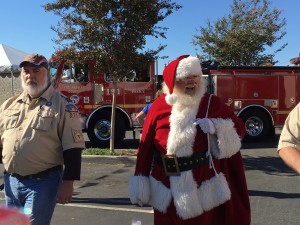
point(26, 26)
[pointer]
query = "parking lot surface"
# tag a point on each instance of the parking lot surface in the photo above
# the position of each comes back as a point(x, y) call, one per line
point(101, 196)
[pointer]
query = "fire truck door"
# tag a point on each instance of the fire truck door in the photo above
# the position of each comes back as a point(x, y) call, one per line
point(286, 96)
point(224, 87)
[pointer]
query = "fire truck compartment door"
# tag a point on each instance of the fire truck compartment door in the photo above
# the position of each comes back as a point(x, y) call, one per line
point(98, 93)
point(287, 95)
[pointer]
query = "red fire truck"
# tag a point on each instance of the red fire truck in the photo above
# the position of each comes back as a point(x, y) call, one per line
point(262, 96)
point(92, 93)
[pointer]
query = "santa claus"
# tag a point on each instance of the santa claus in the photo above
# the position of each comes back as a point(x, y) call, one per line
point(189, 166)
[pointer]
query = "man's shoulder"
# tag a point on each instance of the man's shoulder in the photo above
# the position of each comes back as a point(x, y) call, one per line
point(295, 111)
point(62, 97)
point(9, 101)
point(69, 105)
point(64, 103)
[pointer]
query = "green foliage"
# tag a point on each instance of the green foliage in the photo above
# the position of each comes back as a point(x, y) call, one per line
point(242, 37)
point(106, 151)
point(97, 151)
point(112, 32)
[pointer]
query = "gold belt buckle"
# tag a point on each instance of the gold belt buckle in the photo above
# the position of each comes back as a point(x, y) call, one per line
point(173, 169)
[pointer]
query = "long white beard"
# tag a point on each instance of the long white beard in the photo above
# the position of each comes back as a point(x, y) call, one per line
point(34, 90)
point(187, 100)
point(182, 129)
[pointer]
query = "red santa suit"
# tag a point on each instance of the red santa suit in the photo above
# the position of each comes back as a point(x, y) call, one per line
point(213, 192)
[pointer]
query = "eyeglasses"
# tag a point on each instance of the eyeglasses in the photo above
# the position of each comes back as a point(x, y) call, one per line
point(190, 77)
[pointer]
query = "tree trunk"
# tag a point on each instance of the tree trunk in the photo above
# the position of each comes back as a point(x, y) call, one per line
point(113, 119)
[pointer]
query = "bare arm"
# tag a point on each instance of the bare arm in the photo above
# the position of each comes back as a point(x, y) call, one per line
point(140, 117)
point(72, 161)
point(65, 192)
point(291, 156)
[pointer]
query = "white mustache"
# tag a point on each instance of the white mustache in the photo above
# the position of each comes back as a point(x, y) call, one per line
point(28, 82)
point(190, 86)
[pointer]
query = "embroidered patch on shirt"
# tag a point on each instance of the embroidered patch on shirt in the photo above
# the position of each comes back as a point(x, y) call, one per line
point(77, 136)
point(71, 108)
point(48, 103)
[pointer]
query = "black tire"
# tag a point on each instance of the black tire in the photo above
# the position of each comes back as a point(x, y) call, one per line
point(98, 130)
point(257, 123)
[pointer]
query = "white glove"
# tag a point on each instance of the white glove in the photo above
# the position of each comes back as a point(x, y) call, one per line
point(206, 125)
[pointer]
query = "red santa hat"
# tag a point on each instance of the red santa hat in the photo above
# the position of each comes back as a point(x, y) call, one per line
point(180, 68)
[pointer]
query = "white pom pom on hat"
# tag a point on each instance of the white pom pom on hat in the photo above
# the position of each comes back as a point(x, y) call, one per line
point(177, 69)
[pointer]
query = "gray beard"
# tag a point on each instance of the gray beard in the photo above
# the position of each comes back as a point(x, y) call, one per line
point(34, 90)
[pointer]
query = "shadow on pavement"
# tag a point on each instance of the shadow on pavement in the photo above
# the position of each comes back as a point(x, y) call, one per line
point(270, 142)
point(126, 144)
point(129, 144)
point(105, 201)
point(268, 164)
point(273, 194)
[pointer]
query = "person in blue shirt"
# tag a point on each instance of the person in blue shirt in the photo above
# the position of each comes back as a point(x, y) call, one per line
point(140, 117)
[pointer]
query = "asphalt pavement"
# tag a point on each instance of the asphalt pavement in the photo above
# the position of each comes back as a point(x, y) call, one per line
point(101, 196)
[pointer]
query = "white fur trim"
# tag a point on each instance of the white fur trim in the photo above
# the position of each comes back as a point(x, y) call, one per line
point(214, 192)
point(185, 194)
point(171, 99)
point(160, 195)
point(191, 201)
point(188, 66)
point(139, 190)
point(229, 141)
point(182, 131)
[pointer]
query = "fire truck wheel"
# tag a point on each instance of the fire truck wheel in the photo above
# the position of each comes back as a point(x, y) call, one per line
point(99, 130)
point(257, 124)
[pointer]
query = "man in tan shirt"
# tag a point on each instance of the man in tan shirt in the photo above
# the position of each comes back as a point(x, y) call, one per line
point(289, 142)
point(40, 132)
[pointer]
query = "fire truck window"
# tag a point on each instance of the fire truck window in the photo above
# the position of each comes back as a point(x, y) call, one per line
point(138, 76)
point(108, 77)
point(142, 76)
point(67, 74)
point(75, 73)
point(132, 79)
point(81, 73)
point(53, 72)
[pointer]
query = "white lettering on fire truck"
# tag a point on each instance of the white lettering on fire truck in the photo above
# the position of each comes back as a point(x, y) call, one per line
point(111, 91)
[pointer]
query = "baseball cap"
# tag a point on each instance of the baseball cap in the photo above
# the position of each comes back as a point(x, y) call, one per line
point(35, 59)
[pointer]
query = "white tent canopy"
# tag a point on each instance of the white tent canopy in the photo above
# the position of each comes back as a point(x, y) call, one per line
point(10, 59)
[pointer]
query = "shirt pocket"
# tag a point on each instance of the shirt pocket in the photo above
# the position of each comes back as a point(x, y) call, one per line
point(10, 119)
point(43, 120)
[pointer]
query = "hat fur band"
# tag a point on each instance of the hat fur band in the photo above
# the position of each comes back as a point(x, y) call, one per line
point(187, 67)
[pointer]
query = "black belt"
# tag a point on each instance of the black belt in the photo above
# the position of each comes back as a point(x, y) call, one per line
point(173, 165)
point(40, 175)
